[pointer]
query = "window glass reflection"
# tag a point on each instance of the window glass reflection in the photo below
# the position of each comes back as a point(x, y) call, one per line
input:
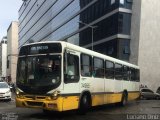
point(126, 3)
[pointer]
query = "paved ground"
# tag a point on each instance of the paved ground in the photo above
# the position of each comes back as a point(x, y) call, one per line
point(142, 109)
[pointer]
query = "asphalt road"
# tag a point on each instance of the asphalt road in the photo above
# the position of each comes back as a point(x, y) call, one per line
point(141, 109)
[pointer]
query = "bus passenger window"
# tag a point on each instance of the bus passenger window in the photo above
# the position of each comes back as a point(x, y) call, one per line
point(109, 70)
point(132, 74)
point(98, 69)
point(118, 72)
point(86, 65)
point(72, 69)
point(135, 75)
point(126, 73)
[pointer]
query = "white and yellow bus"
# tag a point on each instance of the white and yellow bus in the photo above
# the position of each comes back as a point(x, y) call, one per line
point(60, 76)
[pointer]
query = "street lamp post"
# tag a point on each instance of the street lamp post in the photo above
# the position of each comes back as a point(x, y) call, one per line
point(92, 28)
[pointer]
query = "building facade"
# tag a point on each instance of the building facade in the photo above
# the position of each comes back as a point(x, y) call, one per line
point(145, 50)
point(41, 20)
point(12, 50)
point(3, 53)
point(112, 27)
point(0, 60)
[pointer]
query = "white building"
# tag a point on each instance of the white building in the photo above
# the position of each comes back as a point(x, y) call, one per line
point(12, 50)
point(4, 57)
point(145, 41)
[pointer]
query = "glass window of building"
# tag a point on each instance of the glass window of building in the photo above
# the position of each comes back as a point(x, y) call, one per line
point(108, 48)
point(126, 4)
point(112, 2)
point(130, 1)
point(124, 49)
point(122, 2)
point(124, 23)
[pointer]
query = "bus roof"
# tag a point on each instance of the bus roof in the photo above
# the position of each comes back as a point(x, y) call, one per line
point(87, 51)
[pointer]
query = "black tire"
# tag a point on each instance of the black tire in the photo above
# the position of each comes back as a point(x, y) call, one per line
point(8, 100)
point(124, 99)
point(84, 105)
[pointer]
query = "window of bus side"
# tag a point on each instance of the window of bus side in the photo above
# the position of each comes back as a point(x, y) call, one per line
point(71, 68)
point(135, 75)
point(118, 71)
point(86, 65)
point(132, 74)
point(109, 69)
point(98, 67)
point(126, 73)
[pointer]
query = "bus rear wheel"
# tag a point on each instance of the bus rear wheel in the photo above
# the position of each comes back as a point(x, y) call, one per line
point(84, 104)
point(124, 99)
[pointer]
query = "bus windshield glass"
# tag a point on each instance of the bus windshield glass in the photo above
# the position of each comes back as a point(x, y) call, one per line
point(39, 73)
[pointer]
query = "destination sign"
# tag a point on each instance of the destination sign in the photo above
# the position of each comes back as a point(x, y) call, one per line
point(44, 48)
point(37, 49)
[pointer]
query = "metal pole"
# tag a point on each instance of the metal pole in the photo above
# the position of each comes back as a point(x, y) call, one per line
point(92, 37)
point(92, 27)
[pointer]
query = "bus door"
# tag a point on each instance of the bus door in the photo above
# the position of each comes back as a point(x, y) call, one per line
point(71, 80)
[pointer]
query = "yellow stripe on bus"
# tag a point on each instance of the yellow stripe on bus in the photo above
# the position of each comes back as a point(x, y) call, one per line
point(70, 102)
point(64, 103)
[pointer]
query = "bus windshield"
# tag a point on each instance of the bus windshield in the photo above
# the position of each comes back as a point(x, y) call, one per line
point(39, 73)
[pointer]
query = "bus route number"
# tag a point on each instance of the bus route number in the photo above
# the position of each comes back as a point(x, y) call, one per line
point(85, 85)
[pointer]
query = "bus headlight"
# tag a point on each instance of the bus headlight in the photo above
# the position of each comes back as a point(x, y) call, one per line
point(19, 94)
point(55, 95)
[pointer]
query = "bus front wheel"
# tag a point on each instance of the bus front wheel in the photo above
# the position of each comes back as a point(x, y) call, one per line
point(84, 104)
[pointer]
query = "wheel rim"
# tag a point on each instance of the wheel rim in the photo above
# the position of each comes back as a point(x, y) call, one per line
point(85, 102)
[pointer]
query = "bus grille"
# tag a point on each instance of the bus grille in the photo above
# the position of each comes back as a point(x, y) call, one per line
point(35, 103)
point(36, 97)
point(41, 97)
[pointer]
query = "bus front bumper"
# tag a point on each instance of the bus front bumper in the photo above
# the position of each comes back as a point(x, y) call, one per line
point(52, 104)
